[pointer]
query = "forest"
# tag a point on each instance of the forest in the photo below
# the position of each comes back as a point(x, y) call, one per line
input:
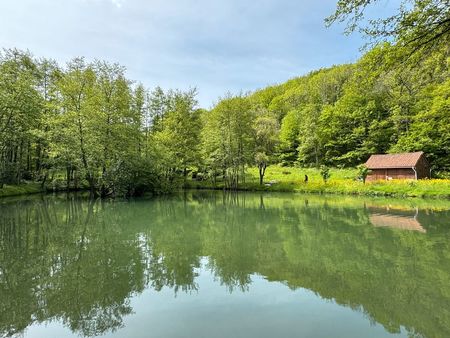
point(85, 125)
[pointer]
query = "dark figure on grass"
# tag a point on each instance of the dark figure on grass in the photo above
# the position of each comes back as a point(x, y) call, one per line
point(306, 178)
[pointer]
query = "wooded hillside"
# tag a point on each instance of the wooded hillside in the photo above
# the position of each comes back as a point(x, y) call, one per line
point(86, 122)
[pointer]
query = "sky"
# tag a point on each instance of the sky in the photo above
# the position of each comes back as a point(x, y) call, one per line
point(216, 46)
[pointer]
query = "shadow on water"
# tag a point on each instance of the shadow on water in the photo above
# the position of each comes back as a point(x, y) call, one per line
point(79, 261)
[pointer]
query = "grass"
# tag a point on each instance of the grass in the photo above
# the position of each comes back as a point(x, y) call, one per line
point(341, 181)
point(23, 189)
point(288, 179)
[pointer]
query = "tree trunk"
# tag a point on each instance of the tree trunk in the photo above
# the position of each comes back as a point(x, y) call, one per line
point(68, 177)
point(92, 190)
point(38, 159)
point(44, 180)
point(262, 171)
point(316, 155)
point(75, 179)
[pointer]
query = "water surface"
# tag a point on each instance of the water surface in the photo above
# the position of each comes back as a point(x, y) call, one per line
point(210, 264)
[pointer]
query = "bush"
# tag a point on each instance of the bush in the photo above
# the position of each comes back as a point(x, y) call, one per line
point(363, 172)
point(131, 178)
point(325, 173)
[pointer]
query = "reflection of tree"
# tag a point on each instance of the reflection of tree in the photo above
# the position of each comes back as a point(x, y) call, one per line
point(80, 262)
point(397, 278)
point(175, 246)
point(66, 261)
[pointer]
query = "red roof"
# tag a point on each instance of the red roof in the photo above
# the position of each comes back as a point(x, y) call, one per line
point(386, 161)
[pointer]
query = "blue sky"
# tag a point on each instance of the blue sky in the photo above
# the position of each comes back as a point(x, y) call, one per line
point(216, 46)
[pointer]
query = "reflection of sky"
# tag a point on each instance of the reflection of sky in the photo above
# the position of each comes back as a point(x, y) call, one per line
point(267, 309)
point(216, 45)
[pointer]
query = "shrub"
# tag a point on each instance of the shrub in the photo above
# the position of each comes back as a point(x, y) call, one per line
point(363, 171)
point(325, 173)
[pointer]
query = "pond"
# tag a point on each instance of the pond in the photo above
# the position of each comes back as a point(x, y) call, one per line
point(214, 264)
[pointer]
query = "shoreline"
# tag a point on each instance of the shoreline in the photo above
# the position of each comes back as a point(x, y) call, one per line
point(431, 189)
point(22, 189)
point(31, 189)
point(375, 189)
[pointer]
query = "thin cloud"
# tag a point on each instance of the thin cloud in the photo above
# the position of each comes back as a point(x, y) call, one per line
point(117, 3)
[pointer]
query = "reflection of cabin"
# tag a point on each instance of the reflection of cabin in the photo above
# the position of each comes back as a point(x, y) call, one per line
point(398, 166)
point(399, 219)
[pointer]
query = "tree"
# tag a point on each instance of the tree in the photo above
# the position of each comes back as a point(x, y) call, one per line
point(178, 132)
point(266, 133)
point(48, 74)
point(418, 25)
point(363, 172)
point(309, 138)
point(140, 108)
point(76, 133)
point(359, 123)
point(288, 138)
point(228, 139)
point(325, 173)
point(20, 107)
point(119, 124)
point(429, 131)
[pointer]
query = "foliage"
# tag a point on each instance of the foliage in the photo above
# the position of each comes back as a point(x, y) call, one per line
point(325, 173)
point(228, 139)
point(341, 115)
point(418, 25)
point(266, 139)
point(363, 172)
point(20, 109)
point(176, 132)
point(87, 124)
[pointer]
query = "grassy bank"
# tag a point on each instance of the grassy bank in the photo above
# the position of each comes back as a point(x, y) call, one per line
point(342, 181)
point(23, 189)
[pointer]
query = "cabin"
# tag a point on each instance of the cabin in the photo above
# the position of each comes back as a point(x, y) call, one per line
point(412, 166)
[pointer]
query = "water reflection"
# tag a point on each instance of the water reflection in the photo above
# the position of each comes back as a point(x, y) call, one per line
point(80, 262)
point(398, 218)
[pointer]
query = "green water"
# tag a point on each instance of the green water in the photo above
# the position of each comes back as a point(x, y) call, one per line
point(209, 264)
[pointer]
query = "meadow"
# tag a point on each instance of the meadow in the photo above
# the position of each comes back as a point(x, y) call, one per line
point(291, 179)
point(341, 181)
